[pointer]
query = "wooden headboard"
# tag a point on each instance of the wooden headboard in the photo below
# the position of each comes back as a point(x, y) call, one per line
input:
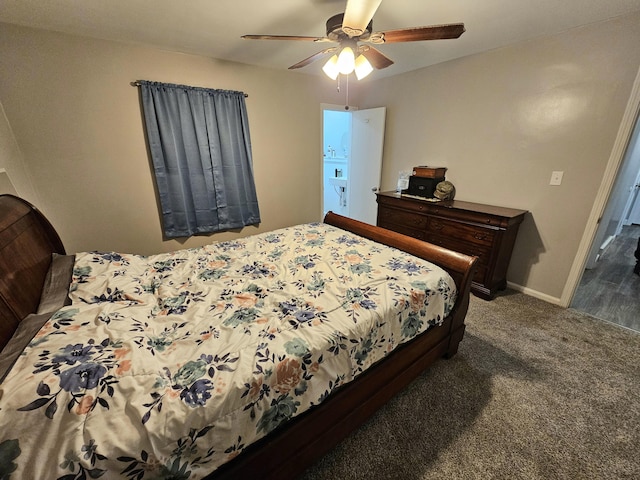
point(27, 242)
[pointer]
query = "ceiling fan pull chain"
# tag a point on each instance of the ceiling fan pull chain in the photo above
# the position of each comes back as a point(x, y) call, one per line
point(347, 104)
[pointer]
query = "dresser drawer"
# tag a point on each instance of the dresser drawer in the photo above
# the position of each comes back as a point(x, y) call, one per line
point(418, 206)
point(483, 253)
point(405, 230)
point(402, 217)
point(468, 233)
point(477, 218)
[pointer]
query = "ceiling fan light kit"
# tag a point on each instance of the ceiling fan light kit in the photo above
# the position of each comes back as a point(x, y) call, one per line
point(345, 64)
point(356, 25)
point(346, 60)
point(331, 68)
point(362, 67)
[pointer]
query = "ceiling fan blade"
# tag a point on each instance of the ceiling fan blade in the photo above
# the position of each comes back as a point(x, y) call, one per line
point(434, 32)
point(313, 58)
point(357, 16)
point(376, 58)
point(286, 37)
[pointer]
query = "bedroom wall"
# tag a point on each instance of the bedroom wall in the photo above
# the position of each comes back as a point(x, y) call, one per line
point(502, 121)
point(12, 162)
point(77, 122)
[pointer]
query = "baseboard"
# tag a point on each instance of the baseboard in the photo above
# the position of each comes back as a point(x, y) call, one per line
point(534, 293)
point(606, 243)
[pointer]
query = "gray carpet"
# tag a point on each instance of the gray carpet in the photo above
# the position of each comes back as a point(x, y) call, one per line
point(535, 392)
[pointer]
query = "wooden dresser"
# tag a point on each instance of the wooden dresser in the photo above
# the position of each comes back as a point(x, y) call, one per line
point(486, 231)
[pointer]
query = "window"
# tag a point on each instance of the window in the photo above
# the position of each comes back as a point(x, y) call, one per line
point(201, 154)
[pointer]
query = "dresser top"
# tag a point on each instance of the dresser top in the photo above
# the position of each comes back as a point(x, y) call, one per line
point(460, 205)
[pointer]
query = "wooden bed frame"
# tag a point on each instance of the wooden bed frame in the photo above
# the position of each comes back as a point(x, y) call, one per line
point(28, 240)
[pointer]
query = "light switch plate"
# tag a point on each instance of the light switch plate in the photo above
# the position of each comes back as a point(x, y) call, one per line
point(556, 178)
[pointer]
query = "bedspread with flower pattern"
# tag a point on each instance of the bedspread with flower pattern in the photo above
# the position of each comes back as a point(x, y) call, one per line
point(168, 366)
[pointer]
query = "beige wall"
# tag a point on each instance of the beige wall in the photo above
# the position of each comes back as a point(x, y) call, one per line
point(502, 121)
point(77, 121)
point(12, 162)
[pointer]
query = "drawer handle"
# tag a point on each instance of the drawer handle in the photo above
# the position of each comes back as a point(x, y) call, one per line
point(437, 225)
point(480, 236)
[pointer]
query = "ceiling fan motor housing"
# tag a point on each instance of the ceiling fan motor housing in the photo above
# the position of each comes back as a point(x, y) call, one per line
point(335, 32)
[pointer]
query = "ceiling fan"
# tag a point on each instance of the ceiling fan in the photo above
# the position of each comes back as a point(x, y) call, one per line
point(356, 25)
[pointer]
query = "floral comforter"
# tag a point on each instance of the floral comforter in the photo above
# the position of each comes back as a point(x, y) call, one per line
point(168, 366)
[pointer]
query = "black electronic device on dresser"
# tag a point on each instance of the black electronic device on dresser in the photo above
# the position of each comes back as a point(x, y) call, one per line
point(424, 180)
point(423, 186)
point(485, 231)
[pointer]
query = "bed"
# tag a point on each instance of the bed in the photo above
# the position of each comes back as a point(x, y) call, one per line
point(241, 359)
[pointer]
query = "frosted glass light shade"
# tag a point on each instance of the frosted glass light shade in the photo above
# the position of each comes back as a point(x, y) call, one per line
point(331, 68)
point(346, 61)
point(362, 67)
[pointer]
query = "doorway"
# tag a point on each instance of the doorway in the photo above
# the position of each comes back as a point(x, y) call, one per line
point(613, 208)
point(621, 203)
point(352, 145)
point(336, 151)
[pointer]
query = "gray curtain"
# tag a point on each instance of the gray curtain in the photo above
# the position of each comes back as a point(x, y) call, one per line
point(201, 154)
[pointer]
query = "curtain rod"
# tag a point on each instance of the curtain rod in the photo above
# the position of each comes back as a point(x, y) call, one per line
point(137, 84)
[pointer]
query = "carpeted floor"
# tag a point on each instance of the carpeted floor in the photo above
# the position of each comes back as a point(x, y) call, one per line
point(535, 392)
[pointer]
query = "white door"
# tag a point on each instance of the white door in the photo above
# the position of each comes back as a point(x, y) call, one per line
point(365, 166)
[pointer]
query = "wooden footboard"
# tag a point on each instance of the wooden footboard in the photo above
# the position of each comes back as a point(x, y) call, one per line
point(288, 451)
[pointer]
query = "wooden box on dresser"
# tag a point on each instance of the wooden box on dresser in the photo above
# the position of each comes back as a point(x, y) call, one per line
point(486, 231)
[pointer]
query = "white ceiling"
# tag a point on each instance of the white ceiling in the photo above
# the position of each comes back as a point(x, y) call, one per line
point(213, 27)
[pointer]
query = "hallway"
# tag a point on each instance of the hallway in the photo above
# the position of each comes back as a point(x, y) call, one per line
point(611, 291)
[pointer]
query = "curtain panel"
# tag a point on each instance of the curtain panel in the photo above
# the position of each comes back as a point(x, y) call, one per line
point(201, 154)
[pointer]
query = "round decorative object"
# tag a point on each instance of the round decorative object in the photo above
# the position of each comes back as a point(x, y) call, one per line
point(445, 191)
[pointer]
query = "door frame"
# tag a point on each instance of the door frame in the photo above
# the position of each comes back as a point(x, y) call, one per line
point(604, 192)
point(323, 107)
